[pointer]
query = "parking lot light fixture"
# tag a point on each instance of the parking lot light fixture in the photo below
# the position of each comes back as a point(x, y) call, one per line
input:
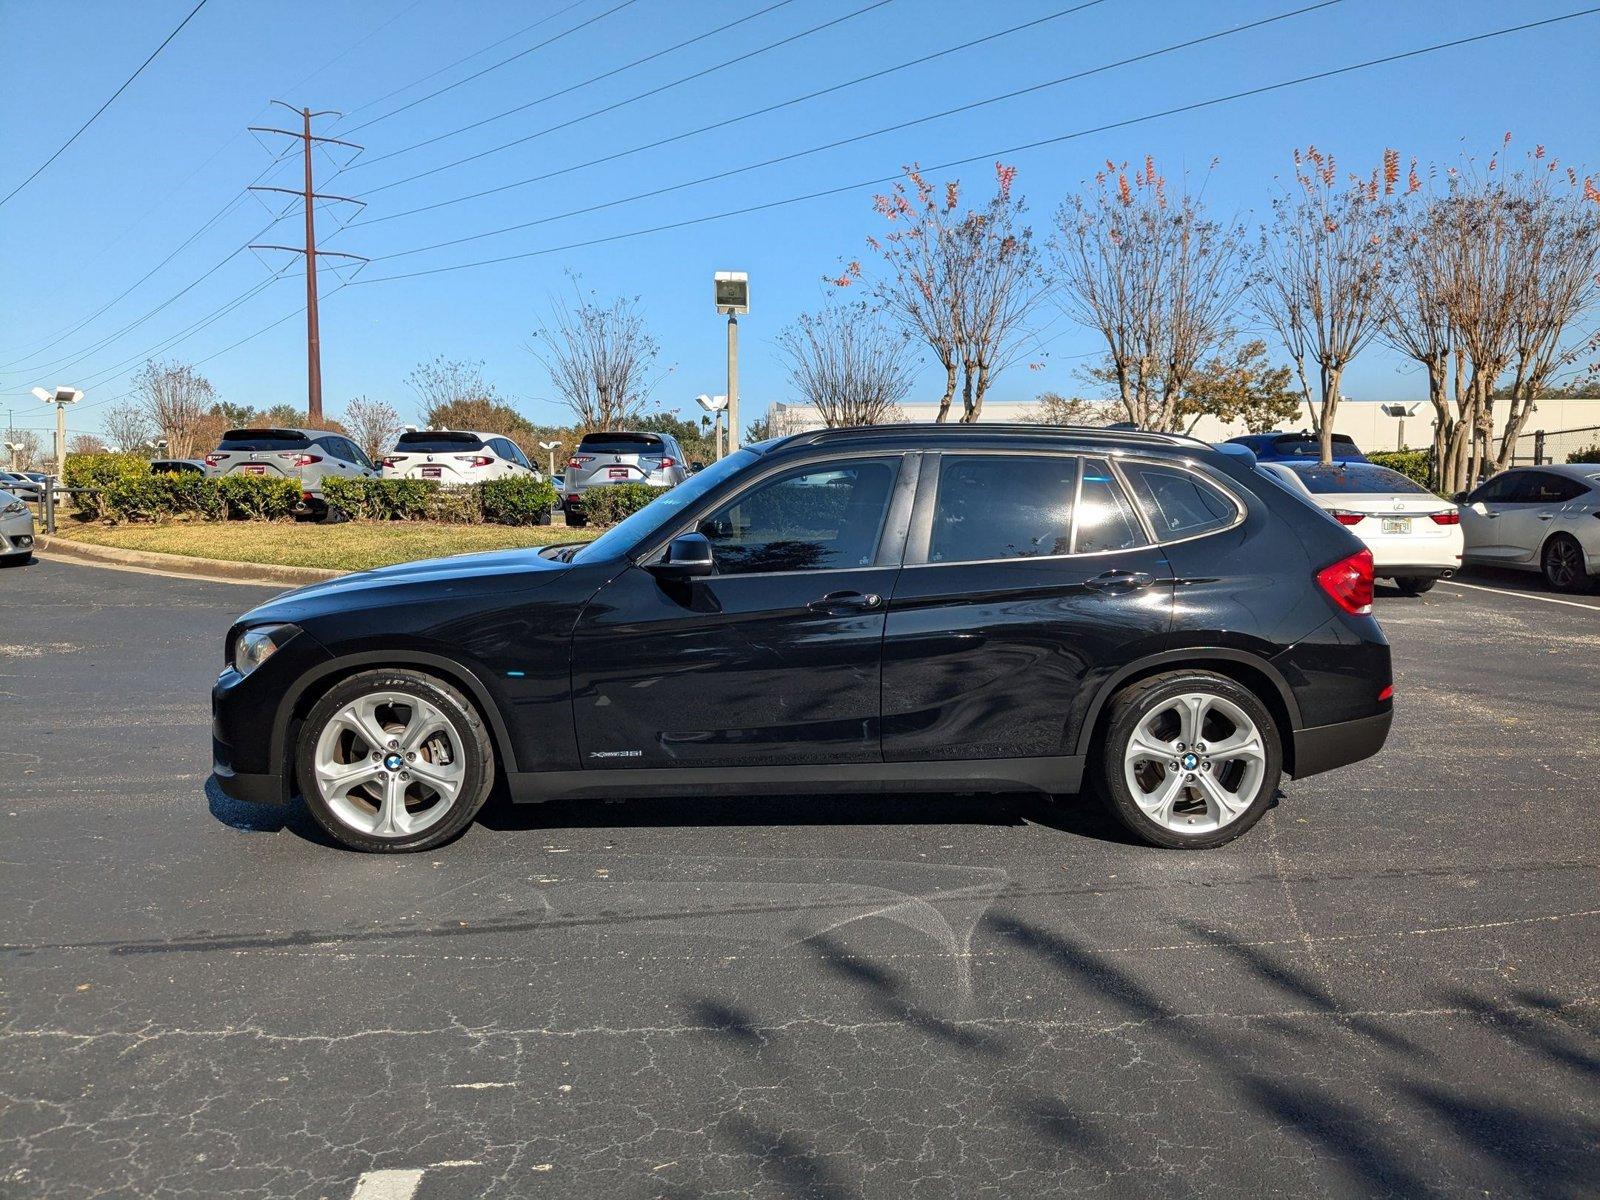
point(61, 397)
point(550, 448)
point(715, 405)
point(733, 298)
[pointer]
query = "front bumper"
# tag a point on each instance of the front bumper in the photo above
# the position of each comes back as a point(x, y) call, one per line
point(1325, 747)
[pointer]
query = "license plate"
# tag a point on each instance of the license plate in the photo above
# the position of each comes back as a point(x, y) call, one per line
point(1397, 525)
point(431, 472)
point(616, 472)
point(254, 469)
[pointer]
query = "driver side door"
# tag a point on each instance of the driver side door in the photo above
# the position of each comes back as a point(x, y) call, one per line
point(774, 659)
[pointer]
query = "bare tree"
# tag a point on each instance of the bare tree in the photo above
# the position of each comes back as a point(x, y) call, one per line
point(87, 443)
point(27, 453)
point(176, 398)
point(1321, 273)
point(1158, 278)
point(443, 381)
point(849, 368)
point(374, 424)
point(128, 426)
point(1052, 408)
point(963, 282)
point(600, 359)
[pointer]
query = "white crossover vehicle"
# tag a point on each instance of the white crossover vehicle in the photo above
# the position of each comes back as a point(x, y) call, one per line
point(1414, 536)
point(16, 530)
point(453, 457)
point(306, 455)
point(1544, 519)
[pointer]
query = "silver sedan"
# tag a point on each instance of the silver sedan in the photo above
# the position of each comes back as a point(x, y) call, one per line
point(16, 530)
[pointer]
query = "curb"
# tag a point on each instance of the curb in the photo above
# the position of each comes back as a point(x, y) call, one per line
point(219, 570)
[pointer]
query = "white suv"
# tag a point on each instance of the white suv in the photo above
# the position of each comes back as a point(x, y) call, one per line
point(307, 455)
point(454, 457)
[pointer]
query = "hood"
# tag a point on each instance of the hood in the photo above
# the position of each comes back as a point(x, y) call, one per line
point(414, 582)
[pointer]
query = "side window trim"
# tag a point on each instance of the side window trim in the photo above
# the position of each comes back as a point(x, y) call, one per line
point(1241, 510)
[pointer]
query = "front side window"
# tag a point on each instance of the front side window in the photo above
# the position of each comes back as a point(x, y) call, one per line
point(996, 506)
point(1178, 503)
point(1499, 490)
point(818, 518)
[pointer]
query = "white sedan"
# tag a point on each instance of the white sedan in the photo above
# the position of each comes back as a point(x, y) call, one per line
point(1414, 536)
point(1544, 519)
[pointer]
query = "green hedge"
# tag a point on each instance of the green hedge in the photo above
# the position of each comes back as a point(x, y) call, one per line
point(162, 497)
point(1413, 464)
point(1591, 455)
point(101, 471)
point(382, 499)
point(519, 501)
point(611, 503)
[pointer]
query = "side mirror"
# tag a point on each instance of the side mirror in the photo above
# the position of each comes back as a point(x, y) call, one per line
point(696, 467)
point(688, 557)
point(1459, 498)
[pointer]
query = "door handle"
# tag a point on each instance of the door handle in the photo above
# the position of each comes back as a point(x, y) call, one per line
point(839, 603)
point(1547, 516)
point(1119, 581)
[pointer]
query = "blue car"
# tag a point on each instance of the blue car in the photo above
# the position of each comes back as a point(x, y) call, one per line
point(1297, 447)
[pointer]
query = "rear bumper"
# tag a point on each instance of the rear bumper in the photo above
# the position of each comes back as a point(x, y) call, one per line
point(1415, 571)
point(1325, 747)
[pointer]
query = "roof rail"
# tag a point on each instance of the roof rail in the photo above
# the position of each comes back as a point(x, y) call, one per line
point(1090, 433)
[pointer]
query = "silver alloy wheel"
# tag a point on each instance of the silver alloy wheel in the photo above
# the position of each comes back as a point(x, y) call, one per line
point(389, 764)
point(1195, 763)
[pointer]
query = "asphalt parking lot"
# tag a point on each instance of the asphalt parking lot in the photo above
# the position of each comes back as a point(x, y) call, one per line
point(1390, 987)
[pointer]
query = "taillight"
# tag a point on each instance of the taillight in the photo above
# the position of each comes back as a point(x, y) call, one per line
point(666, 462)
point(577, 460)
point(304, 460)
point(1386, 694)
point(389, 462)
point(213, 460)
point(1453, 517)
point(1348, 582)
point(1346, 517)
point(474, 460)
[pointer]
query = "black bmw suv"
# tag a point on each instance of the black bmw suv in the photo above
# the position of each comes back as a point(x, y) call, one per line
point(920, 607)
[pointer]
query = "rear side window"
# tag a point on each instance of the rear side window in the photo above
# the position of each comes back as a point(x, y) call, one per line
point(1356, 479)
point(263, 439)
point(1177, 503)
point(424, 442)
point(1553, 489)
point(1106, 519)
point(995, 506)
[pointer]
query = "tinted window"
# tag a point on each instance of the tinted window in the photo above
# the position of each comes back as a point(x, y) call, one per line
point(1498, 490)
point(1349, 478)
point(815, 519)
point(668, 506)
point(621, 443)
point(1176, 503)
point(1002, 506)
point(425, 442)
point(263, 439)
point(1106, 520)
point(1545, 488)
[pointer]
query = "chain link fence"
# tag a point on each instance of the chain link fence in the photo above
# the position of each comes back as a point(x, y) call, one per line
point(1544, 447)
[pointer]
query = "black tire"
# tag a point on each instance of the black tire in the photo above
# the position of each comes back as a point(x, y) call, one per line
point(15, 560)
point(1130, 706)
point(1561, 562)
point(576, 520)
point(1414, 587)
point(476, 751)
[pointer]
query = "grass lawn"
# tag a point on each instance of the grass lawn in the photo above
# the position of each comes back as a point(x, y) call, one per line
point(353, 546)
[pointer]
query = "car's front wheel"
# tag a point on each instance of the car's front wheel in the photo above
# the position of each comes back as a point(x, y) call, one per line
point(393, 761)
point(1562, 562)
point(1191, 759)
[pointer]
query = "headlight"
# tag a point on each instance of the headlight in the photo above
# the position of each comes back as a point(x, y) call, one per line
point(257, 645)
point(12, 505)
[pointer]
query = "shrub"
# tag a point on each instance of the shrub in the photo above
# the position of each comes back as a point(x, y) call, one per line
point(1413, 464)
point(382, 499)
point(611, 503)
point(518, 501)
point(458, 506)
point(159, 497)
point(257, 497)
point(102, 471)
point(1591, 455)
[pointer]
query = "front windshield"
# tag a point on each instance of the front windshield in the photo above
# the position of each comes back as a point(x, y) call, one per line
point(664, 509)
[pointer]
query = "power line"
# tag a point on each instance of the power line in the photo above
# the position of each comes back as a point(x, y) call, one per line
point(655, 91)
point(860, 137)
point(992, 154)
point(638, 62)
point(106, 105)
point(496, 66)
point(734, 120)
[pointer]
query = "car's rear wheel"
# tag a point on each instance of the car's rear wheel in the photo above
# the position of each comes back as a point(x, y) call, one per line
point(1415, 587)
point(394, 760)
point(1562, 562)
point(1191, 759)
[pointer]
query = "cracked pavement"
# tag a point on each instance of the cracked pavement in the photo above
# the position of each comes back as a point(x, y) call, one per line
point(1390, 987)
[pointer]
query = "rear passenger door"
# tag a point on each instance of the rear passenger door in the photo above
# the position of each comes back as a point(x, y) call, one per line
point(1029, 580)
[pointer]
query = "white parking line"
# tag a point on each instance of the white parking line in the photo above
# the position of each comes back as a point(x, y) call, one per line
point(1478, 587)
point(387, 1185)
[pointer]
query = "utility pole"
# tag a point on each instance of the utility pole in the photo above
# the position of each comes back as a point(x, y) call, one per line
point(732, 291)
point(309, 196)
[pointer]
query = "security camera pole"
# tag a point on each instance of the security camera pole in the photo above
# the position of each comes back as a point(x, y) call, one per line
point(733, 298)
point(1401, 411)
point(60, 397)
point(715, 405)
point(550, 448)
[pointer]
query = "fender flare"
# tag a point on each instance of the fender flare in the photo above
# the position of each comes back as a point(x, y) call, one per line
point(1187, 656)
point(450, 668)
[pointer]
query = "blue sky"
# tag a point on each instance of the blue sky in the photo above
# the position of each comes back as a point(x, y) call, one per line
point(171, 154)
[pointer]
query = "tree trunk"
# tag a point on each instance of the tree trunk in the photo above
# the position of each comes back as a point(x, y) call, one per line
point(1330, 405)
point(949, 391)
point(975, 409)
point(1437, 397)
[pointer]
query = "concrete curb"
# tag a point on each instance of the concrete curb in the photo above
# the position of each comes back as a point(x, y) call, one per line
point(217, 569)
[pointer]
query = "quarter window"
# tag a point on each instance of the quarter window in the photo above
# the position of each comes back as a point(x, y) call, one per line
point(997, 506)
point(820, 518)
point(1106, 520)
point(1177, 503)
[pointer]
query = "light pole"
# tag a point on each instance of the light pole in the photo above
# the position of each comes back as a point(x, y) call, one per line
point(61, 397)
point(733, 298)
point(15, 448)
point(550, 448)
point(1402, 411)
point(715, 405)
